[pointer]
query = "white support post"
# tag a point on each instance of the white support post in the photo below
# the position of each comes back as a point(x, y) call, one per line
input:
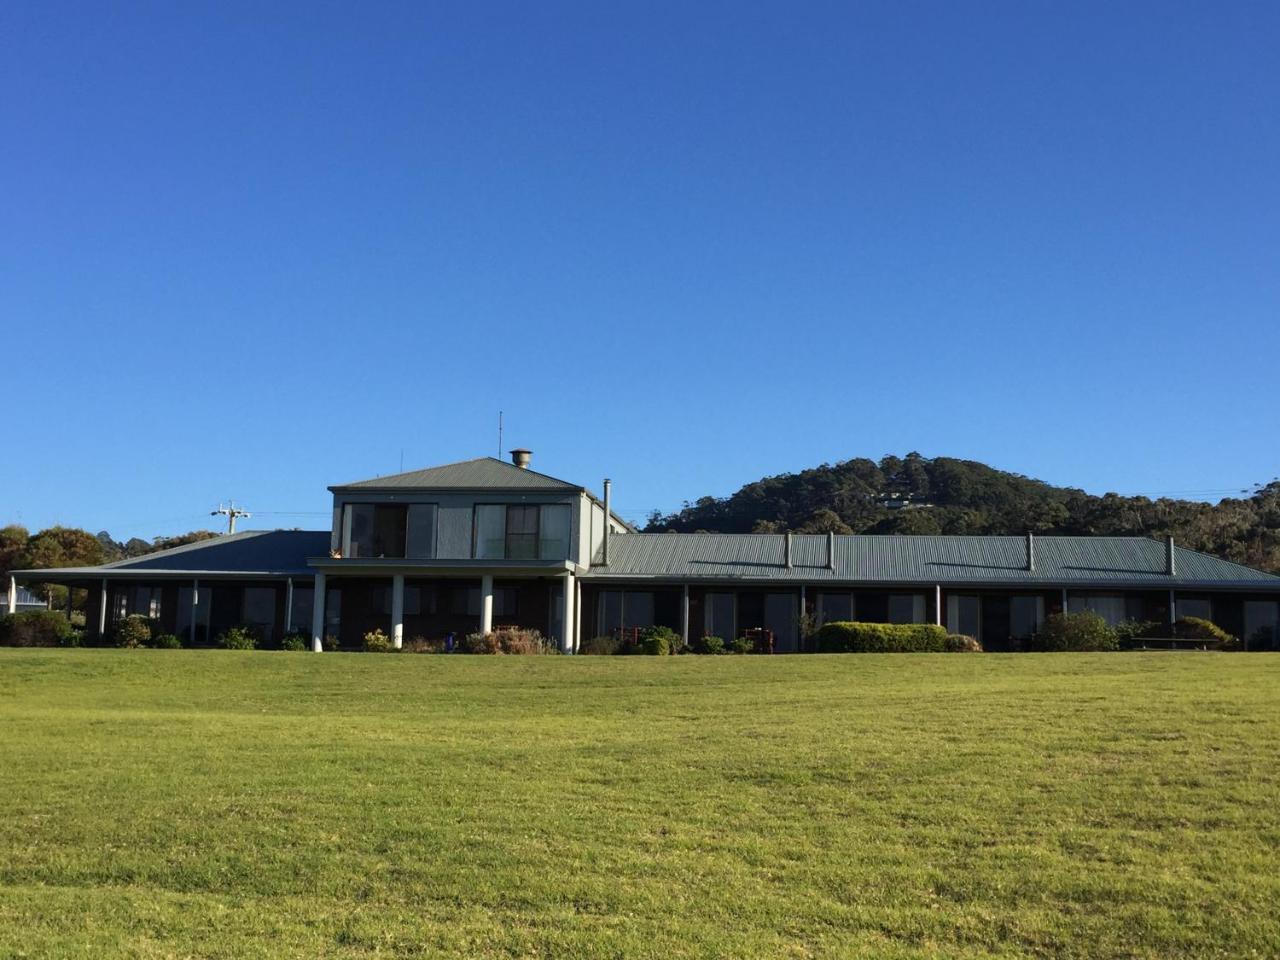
point(195, 611)
point(317, 614)
point(397, 610)
point(13, 594)
point(1064, 601)
point(288, 605)
point(568, 643)
point(102, 611)
point(486, 603)
point(937, 604)
point(1173, 612)
point(577, 611)
point(684, 616)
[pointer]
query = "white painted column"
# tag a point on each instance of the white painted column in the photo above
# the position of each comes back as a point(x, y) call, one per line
point(195, 610)
point(102, 612)
point(288, 605)
point(397, 610)
point(577, 620)
point(568, 644)
point(937, 604)
point(317, 614)
point(486, 603)
point(684, 616)
point(13, 595)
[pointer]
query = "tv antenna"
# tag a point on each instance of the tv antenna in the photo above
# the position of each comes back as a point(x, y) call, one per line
point(499, 434)
point(231, 512)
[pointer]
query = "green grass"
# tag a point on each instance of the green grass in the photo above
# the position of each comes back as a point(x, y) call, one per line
point(180, 804)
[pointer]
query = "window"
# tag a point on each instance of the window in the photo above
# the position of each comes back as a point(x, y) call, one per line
point(300, 613)
point(187, 611)
point(718, 619)
point(964, 615)
point(1111, 607)
point(834, 607)
point(259, 609)
point(389, 530)
point(627, 609)
point(1260, 620)
point(521, 531)
point(553, 539)
point(1025, 616)
point(906, 608)
point(142, 601)
point(1193, 607)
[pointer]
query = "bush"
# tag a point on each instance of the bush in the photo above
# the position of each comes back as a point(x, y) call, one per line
point(850, 637)
point(960, 643)
point(296, 640)
point(709, 646)
point(423, 645)
point(657, 642)
point(167, 641)
point(510, 640)
point(330, 643)
point(375, 641)
point(133, 631)
point(238, 638)
point(742, 645)
point(604, 646)
point(1195, 628)
point(1083, 631)
point(37, 628)
point(1132, 632)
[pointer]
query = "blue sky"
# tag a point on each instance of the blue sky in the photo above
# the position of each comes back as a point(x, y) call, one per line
point(251, 250)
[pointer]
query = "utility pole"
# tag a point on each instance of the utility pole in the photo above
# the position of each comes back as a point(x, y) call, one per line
point(231, 512)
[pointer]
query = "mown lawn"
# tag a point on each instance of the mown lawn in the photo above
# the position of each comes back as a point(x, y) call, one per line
point(183, 803)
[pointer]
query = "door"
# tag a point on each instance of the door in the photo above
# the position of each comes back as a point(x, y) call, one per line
point(780, 616)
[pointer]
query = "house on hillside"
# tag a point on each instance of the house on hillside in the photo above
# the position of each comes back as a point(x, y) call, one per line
point(468, 546)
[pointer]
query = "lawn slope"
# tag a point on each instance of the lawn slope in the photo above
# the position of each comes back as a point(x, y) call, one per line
point(176, 804)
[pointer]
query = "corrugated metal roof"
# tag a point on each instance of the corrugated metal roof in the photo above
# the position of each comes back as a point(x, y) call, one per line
point(916, 559)
point(281, 552)
point(484, 473)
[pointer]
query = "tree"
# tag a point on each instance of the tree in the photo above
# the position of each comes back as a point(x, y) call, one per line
point(13, 541)
point(62, 547)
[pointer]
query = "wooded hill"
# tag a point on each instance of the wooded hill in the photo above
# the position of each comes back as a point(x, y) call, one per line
point(915, 495)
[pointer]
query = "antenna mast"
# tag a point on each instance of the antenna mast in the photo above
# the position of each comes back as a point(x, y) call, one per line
point(231, 512)
point(499, 434)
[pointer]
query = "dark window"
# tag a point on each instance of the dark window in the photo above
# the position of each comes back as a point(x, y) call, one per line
point(390, 530)
point(522, 533)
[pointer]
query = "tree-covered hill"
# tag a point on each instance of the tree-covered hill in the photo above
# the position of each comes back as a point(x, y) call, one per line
point(913, 494)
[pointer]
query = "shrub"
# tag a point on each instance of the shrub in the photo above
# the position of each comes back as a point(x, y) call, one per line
point(1131, 632)
point(960, 643)
point(238, 638)
point(375, 641)
point(657, 641)
point(1195, 628)
point(850, 637)
point(511, 640)
point(1083, 631)
point(133, 631)
point(295, 640)
point(604, 646)
point(742, 645)
point(167, 641)
point(710, 646)
point(330, 643)
point(423, 645)
point(37, 628)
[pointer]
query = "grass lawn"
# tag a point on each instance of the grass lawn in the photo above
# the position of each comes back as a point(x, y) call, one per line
point(205, 803)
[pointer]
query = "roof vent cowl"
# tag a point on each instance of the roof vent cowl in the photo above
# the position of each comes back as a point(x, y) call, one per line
point(521, 457)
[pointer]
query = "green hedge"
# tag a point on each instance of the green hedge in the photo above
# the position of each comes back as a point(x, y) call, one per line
point(847, 637)
point(36, 628)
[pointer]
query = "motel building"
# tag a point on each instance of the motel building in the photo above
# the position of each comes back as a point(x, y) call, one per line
point(483, 543)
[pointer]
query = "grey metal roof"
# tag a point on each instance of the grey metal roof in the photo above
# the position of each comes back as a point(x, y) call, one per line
point(1129, 561)
point(483, 473)
point(248, 553)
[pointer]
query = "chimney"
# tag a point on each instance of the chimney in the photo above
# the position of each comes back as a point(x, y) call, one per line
point(831, 551)
point(786, 551)
point(608, 514)
point(1031, 551)
point(521, 457)
point(1170, 558)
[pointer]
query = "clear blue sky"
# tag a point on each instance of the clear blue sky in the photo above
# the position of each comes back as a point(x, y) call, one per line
point(250, 250)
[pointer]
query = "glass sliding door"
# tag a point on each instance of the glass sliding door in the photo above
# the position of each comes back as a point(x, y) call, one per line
point(1025, 616)
point(553, 535)
point(522, 533)
point(906, 608)
point(421, 538)
point(836, 607)
point(964, 615)
point(720, 616)
point(780, 617)
point(491, 531)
